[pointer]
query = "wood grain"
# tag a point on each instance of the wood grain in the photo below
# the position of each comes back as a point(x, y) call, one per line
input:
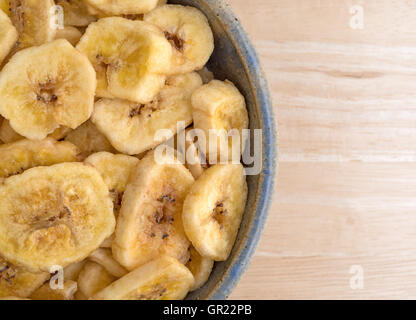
point(345, 103)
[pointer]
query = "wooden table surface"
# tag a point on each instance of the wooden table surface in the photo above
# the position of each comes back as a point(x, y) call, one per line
point(343, 80)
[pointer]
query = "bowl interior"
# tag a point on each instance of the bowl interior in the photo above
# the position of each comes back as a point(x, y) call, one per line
point(235, 59)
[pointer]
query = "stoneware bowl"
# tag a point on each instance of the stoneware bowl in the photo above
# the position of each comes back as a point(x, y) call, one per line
point(235, 59)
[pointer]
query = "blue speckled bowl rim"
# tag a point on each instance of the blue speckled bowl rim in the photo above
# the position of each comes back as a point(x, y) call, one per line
point(259, 86)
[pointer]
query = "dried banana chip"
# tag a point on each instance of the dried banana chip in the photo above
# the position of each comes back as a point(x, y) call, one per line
point(32, 19)
point(150, 220)
point(213, 210)
point(219, 109)
point(117, 7)
point(132, 127)
point(54, 215)
point(25, 154)
point(115, 170)
point(104, 258)
point(130, 58)
point(44, 87)
point(75, 13)
point(162, 279)
point(200, 267)
point(189, 33)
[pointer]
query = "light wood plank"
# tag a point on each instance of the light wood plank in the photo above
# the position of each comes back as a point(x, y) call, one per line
point(385, 277)
point(345, 104)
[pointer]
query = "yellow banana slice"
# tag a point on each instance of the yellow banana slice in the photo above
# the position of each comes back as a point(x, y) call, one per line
point(162, 279)
point(15, 281)
point(150, 222)
point(92, 279)
point(8, 36)
point(132, 127)
point(19, 156)
point(45, 292)
point(89, 140)
point(219, 109)
point(44, 87)
point(8, 135)
point(98, 13)
point(200, 267)
point(116, 171)
point(54, 215)
point(72, 34)
point(189, 33)
point(32, 19)
point(72, 271)
point(104, 258)
point(75, 13)
point(213, 209)
point(137, 16)
point(117, 7)
point(130, 58)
